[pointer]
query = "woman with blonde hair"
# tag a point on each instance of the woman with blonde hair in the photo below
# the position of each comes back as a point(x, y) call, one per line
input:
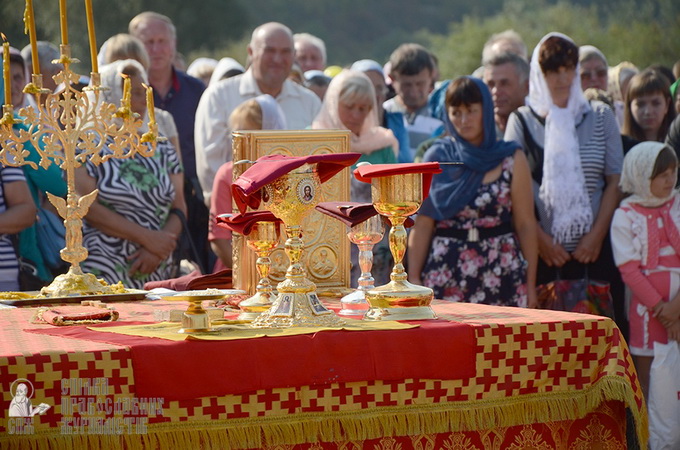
point(350, 104)
point(125, 46)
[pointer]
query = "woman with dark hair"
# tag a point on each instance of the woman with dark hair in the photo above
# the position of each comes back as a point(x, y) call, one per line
point(575, 155)
point(474, 239)
point(649, 109)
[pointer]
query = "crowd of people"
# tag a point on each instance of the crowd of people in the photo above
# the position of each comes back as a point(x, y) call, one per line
point(552, 183)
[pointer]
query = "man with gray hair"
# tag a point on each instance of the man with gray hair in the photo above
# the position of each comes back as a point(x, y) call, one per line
point(271, 53)
point(310, 52)
point(47, 52)
point(508, 41)
point(507, 76)
point(177, 93)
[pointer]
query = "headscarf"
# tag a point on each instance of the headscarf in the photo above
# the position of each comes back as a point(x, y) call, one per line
point(365, 65)
point(372, 137)
point(272, 114)
point(457, 185)
point(223, 66)
point(198, 64)
point(617, 74)
point(636, 177)
point(586, 52)
point(563, 189)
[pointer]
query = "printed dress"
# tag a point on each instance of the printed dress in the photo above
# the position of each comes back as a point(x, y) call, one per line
point(140, 190)
point(491, 270)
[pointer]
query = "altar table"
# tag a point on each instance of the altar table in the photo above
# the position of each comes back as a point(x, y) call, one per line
point(520, 379)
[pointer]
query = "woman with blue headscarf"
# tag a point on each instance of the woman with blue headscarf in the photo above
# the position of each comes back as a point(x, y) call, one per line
point(475, 235)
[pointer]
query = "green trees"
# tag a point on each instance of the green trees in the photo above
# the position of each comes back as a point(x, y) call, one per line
point(642, 32)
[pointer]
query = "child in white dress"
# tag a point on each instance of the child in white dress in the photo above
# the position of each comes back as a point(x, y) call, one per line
point(646, 245)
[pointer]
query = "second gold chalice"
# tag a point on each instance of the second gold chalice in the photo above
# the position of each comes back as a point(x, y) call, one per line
point(397, 197)
point(263, 239)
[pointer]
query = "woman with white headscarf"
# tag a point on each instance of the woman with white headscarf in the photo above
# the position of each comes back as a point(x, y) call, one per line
point(646, 244)
point(575, 155)
point(131, 231)
point(350, 104)
point(225, 68)
point(259, 113)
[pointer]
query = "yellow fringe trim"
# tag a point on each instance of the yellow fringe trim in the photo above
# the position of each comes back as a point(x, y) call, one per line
point(360, 424)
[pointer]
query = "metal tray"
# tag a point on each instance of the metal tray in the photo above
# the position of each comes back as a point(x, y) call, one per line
point(129, 296)
point(207, 294)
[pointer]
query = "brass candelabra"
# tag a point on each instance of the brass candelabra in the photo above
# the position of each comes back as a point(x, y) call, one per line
point(67, 129)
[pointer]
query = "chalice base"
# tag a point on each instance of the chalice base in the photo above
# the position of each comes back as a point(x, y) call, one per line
point(252, 307)
point(354, 304)
point(297, 309)
point(195, 319)
point(400, 300)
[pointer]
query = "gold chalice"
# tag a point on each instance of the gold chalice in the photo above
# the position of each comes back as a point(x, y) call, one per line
point(397, 197)
point(290, 198)
point(365, 235)
point(263, 238)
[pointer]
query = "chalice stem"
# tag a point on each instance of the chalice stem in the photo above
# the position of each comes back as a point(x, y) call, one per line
point(293, 248)
point(397, 239)
point(366, 279)
point(263, 265)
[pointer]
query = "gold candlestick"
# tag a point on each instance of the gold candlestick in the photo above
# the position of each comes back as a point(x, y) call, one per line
point(397, 197)
point(70, 128)
point(290, 198)
point(263, 238)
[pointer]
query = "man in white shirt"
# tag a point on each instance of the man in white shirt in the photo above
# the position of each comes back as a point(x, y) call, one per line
point(271, 52)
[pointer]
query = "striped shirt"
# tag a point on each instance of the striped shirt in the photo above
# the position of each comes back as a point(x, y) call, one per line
point(9, 267)
point(601, 153)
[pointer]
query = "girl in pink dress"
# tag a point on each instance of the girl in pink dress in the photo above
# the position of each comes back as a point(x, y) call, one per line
point(646, 244)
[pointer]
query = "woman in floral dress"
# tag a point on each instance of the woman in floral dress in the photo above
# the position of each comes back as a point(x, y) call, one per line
point(475, 235)
point(131, 229)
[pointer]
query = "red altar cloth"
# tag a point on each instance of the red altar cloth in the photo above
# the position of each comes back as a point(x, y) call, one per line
point(543, 379)
point(434, 350)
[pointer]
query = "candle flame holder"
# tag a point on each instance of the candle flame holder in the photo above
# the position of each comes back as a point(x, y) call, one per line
point(290, 198)
point(68, 129)
point(397, 197)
